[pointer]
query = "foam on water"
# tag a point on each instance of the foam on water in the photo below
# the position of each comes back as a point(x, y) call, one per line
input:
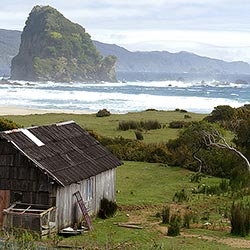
point(123, 97)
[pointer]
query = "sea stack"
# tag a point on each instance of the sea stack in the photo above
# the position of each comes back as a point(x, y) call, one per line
point(55, 49)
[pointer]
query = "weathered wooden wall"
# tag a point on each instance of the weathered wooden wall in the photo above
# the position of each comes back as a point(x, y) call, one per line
point(22, 178)
point(68, 211)
point(105, 186)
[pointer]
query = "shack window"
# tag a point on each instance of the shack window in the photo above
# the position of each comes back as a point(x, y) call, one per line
point(88, 189)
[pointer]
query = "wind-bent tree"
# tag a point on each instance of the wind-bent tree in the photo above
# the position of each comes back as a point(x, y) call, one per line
point(215, 139)
point(197, 147)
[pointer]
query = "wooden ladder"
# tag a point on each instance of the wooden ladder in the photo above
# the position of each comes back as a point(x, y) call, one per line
point(83, 209)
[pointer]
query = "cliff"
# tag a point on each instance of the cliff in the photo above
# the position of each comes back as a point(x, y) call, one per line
point(53, 48)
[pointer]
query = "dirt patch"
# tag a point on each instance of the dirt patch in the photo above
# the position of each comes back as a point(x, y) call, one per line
point(240, 243)
point(144, 215)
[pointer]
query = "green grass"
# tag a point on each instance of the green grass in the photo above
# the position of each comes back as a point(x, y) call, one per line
point(142, 191)
point(144, 188)
point(140, 183)
point(108, 126)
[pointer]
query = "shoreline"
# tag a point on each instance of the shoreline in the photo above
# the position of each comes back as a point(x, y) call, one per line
point(14, 110)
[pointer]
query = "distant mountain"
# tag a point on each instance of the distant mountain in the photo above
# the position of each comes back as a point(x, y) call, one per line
point(142, 65)
point(157, 62)
point(9, 45)
point(55, 49)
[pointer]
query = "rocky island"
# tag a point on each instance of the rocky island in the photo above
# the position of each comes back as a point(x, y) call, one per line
point(53, 48)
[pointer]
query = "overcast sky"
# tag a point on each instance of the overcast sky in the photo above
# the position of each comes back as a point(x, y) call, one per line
point(215, 28)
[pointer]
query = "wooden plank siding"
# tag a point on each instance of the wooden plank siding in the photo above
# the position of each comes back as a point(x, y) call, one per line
point(23, 179)
point(67, 161)
point(105, 187)
point(68, 212)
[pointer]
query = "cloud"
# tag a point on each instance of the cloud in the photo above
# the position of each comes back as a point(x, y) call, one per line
point(206, 26)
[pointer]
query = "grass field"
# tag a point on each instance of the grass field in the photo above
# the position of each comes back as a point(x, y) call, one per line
point(142, 191)
point(108, 126)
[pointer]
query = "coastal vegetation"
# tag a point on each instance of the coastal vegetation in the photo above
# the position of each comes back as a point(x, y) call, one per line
point(176, 181)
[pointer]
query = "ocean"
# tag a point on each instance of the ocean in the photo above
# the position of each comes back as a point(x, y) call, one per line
point(123, 97)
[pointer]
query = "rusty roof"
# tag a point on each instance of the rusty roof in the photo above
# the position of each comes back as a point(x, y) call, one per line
point(64, 151)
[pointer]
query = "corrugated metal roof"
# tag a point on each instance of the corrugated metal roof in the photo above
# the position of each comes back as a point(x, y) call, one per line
point(69, 153)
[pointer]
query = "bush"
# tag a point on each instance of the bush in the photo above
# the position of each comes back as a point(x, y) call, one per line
point(6, 124)
point(165, 215)
point(223, 187)
point(102, 113)
point(178, 124)
point(151, 109)
point(126, 125)
point(183, 111)
point(240, 219)
point(180, 196)
point(187, 219)
point(221, 113)
point(239, 178)
point(151, 124)
point(175, 225)
point(196, 177)
point(138, 135)
point(147, 125)
point(107, 208)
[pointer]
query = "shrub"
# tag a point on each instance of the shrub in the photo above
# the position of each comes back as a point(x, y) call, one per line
point(175, 224)
point(165, 215)
point(147, 125)
point(151, 124)
point(240, 219)
point(180, 196)
point(102, 113)
point(107, 208)
point(178, 124)
point(6, 124)
point(239, 178)
point(151, 109)
point(126, 125)
point(183, 111)
point(196, 177)
point(138, 135)
point(187, 116)
point(221, 113)
point(187, 219)
point(19, 238)
point(223, 187)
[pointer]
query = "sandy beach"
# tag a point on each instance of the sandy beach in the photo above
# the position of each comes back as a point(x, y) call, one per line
point(13, 110)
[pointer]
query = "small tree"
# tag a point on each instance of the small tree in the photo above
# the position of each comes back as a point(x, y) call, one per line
point(175, 225)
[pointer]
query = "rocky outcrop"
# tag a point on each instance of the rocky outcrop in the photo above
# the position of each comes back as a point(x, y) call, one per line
point(53, 48)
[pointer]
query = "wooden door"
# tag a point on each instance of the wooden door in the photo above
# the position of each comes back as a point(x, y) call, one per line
point(4, 203)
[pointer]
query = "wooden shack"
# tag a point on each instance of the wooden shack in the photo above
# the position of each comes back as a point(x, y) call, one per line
point(42, 167)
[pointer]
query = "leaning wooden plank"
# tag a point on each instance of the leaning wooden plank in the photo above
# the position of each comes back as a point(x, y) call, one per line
point(83, 209)
point(129, 226)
